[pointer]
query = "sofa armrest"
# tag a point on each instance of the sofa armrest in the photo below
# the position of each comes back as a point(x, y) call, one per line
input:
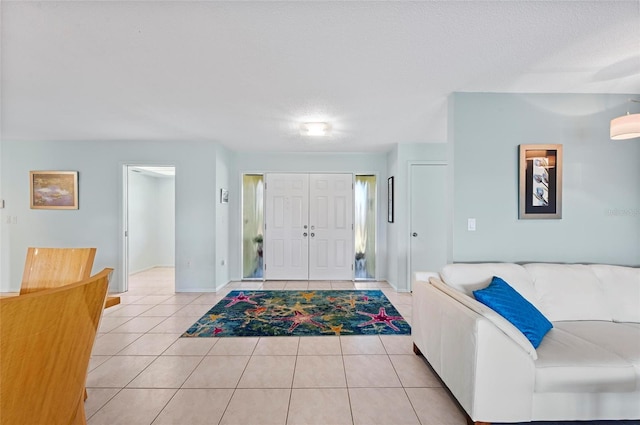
point(489, 373)
point(503, 324)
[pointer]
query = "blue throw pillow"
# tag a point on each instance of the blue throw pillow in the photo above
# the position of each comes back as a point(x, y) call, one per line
point(508, 303)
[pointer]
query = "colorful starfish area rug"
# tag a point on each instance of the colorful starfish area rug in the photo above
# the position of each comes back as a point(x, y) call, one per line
point(301, 313)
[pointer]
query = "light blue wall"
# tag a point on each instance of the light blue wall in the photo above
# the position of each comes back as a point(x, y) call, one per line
point(601, 202)
point(601, 190)
point(227, 217)
point(98, 222)
point(166, 249)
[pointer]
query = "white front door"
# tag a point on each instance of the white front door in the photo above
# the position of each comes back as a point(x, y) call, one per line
point(286, 254)
point(331, 227)
point(428, 218)
point(309, 227)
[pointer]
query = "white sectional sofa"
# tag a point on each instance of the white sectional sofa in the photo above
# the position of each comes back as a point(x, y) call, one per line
point(586, 368)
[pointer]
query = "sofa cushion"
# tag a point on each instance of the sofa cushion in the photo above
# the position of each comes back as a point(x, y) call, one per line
point(568, 292)
point(507, 302)
point(568, 363)
point(468, 277)
point(620, 338)
point(622, 290)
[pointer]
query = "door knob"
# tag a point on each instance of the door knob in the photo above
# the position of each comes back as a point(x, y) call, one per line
point(414, 234)
point(304, 234)
point(313, 234)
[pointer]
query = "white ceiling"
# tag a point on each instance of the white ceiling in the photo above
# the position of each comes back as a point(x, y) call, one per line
point(245, 74)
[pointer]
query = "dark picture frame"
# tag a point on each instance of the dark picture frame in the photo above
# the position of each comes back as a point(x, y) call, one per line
point(390, 194)
point(53, 190)
point(224, 196)
point(540, 188)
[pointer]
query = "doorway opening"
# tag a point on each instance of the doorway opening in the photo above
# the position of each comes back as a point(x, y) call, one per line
point(149, 237)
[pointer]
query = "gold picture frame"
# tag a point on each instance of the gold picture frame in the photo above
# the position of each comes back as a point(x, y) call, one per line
point(53, 190)
point(540, 194)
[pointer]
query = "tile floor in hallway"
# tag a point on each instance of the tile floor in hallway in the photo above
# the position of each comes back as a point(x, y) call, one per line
point(143, 373)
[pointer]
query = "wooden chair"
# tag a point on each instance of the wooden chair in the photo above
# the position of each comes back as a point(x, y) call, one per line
point(53, 267)
point(46, 340)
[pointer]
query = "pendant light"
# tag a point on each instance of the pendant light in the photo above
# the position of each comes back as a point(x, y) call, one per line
point(626, 126)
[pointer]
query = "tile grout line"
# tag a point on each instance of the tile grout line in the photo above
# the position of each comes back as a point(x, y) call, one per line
point(346, 381)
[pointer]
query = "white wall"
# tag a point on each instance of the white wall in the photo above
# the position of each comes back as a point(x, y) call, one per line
point(227, 224)
point(142, 222)
point(99, 222)
point(4, 241)
point(151, 221)
point(166, 249)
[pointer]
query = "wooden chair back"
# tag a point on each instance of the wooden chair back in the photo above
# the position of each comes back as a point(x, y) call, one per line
point(46, 340)
point(53, 267)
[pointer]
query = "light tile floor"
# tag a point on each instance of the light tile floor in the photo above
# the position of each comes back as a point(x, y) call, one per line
point(143, 373)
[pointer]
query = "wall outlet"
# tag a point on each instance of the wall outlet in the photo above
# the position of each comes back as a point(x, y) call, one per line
point(471, 224)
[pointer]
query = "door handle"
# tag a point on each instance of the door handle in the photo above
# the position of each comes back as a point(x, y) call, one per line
point(304, 234)
point(313, 234)
point(414, 234)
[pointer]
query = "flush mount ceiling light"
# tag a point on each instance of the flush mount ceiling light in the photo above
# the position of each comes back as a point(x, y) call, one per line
point(626, 126)
point(315, 129)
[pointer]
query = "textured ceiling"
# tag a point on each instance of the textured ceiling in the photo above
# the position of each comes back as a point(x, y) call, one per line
point(245, 74)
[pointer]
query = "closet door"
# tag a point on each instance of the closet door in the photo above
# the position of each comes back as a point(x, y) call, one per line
point(286, 254)
point(331, 227)
point(428, 245)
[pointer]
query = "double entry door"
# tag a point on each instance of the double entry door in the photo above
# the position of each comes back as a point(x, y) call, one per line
point(308, 227)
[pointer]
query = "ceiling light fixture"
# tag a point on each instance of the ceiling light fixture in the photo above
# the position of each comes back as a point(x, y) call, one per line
point(626, 126)
point(315, 129)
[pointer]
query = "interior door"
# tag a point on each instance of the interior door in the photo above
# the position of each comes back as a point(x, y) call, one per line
point(331, 227)
point(286, 254)
point(428, 218)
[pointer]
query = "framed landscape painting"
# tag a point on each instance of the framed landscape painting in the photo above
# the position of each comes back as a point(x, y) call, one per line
point(540, 194)
point(54, 190)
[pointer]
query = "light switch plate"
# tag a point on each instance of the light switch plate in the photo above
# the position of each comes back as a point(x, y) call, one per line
point(471, 224)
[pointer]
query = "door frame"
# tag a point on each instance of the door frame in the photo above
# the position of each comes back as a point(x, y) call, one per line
point(124, 217)
point(448, 204)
